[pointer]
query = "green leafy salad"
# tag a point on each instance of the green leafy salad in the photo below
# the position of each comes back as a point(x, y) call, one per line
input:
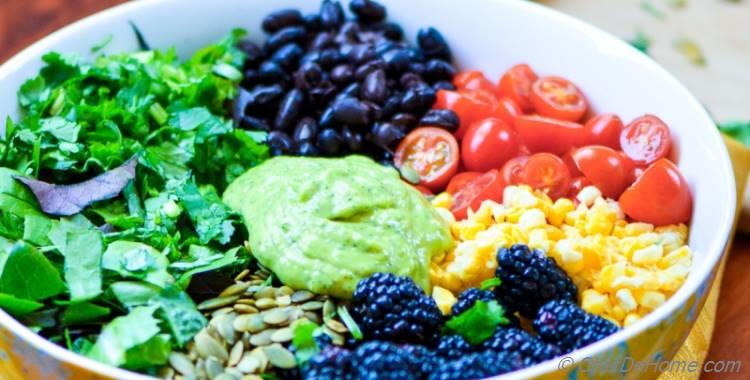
point(109, 199)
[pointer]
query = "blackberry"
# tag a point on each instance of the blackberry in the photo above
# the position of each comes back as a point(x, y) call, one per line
point(478, 365)
point(381, 360)
point(394, 308)
point(453, 346)
point(468, 297)
point(426, 359)
point(511, 339)
point(331, 363)
point(566, 325)
point(530, 279)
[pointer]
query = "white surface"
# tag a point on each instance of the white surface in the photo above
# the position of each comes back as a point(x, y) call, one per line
point(484, 34)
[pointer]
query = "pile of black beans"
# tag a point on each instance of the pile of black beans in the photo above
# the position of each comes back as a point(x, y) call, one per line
point(323, 85)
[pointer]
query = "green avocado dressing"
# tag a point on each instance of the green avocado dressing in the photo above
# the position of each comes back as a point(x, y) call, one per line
point(323, 224)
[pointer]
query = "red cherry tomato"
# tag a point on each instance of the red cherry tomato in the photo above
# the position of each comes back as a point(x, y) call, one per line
point(605, 168)
point(460, 180)
point(646, 139)
point(568, 160)
point(542, 134)
point(660, 196)
point(432, 153)
point(516, 84)
point(487, 186)
point(474, 80)
point(508, 110)
point(576, 185)
point(470, 106)
point(512, 171)
point(548, 173)
point(488, 143)
point(425, 191)
point(558, 98)
point(604, 129)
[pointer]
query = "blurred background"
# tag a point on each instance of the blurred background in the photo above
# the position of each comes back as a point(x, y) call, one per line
point(704, 43)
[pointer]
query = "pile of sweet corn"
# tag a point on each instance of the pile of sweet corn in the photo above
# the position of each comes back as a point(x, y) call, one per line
point(622, 270)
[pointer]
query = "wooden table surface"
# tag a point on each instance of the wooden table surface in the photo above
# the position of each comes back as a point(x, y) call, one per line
point(24, 21)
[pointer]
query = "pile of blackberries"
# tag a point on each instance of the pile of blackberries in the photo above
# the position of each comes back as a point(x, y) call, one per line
point(323, 85)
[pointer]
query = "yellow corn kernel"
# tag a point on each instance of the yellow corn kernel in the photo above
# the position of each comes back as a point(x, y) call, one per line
point(532, 218)
point(559, 210)
point(647, 256)
point(443, 200)
point(444, 299)
point(635, 229)
point(630, 319)
point(651, 299)
point(469, 230)
point(648, 238)
point(679, 255)
point(446, 215)
point(626, 300)
point(570, 259)
point(599, 223)
point(538, 240)
point(594, 302)
point(588, 195)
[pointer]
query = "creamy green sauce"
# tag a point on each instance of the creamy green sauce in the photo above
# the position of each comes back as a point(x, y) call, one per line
point(323, 224)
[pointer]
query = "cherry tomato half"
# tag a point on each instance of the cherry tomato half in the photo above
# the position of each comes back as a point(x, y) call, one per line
point(460, 180)
point(512, 171)
point(488, 143)
point(543, 134)
point(432, 153)
point(604, 129)
point(425, 191)
point(508, 110)
point(470, 106)
point(487, 186)
point(646, 139)
point(516, 84)
point(548, 173)
point(474, 80)
point(568, 160)
point(576, 185)
point(605, 168)
point(558, 98)
point(660, 196)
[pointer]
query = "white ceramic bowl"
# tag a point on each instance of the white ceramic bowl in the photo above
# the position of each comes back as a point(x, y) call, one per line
point(490, 35)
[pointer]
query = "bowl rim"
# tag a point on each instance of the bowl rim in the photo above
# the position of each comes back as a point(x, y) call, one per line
point(718, 243)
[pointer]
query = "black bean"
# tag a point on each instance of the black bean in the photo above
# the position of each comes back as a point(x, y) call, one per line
point(288, 56)
point(361, 53)
point(417, 68)
point(326, 118)
point(348, 33)
point(433, 44)
point(418, 99)
point(391, 105)
point(281, 18)
point(351, 91)
point(253, 53)
point(405, 121)
point(368, 11)
point(331, 14)
point(280, 143)
point(308, 75)
point(383, 46)
point(349, 110)
point(240, 102)
point(308, 149)
point(329, 141)
point(386, 159)
point(264, 95)
point(305, 130)
point(271, 72)
point(441, 118)
point(392, 84)
point(369, 36)
point(310, 56)
point(250, 78)
point(386, 135)
point(320, 95)
point(444, 85)
point(410, 80)
point(392, 31)
point(415, 55)
point(312, 22)
point(321, 41)
point(284, 36)
point(352, 139)
point(374, 87)
point(376, 112)
point(438, 69)
point(361, 72)
point(328, 58)
point(290, 108)
point(396, 60)
point(256, 123)
point(342, 74)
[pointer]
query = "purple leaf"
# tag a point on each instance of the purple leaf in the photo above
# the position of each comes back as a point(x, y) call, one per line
point(66, 200)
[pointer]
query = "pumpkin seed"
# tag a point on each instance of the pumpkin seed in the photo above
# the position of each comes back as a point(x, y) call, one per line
point(166, 373)
point(237, 374)
point(251, 377)
point(242, 275)
point(312, 305)
point(262, 338)
point(236, 353)
point(276, 316)
point(313, 317)
point(181, 363)
point(337, 326)
point(248, 364)
point(225, 376)
point(285, 291)
point(209, 346)
point(213, 367)
point(302, 296)
point(235, 289)
point(337, 338)
point(265, 303)
point(245, 301)
point(329, 309)
point(283, 300)
point(242, 308)
point(258, 354)
point(280, 356)
point(221, 311)
point(267, 292)
point(217, 302)
point(282, 335)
